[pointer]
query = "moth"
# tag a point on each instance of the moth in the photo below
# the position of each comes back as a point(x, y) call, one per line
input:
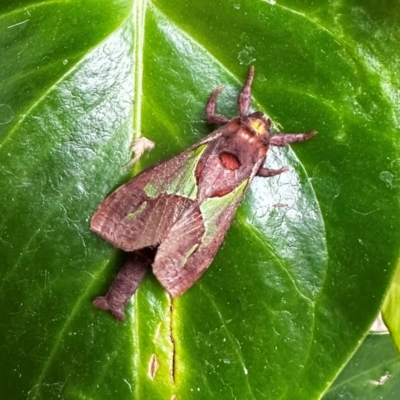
point(174, 215)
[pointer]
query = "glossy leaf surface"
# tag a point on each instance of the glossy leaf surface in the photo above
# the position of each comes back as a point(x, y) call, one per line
point(304, 267)
point(373, 372)
point(390, 308)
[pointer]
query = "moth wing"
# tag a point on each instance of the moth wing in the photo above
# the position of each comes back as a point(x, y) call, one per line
point(140, 213)
point(191, 244)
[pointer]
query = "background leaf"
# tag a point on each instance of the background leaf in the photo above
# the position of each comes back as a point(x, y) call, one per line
point(303, 269)
point(372, 373)
point(391, 309)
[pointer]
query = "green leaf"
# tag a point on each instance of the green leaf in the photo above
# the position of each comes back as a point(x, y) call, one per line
point(304, 267)
point(373, 372)
point(390, 308)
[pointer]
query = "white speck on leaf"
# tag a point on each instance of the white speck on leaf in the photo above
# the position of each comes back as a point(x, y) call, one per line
point(386, 177)
point(6, 114)
point(139, 146)
point(17, 24)
point(247, 55)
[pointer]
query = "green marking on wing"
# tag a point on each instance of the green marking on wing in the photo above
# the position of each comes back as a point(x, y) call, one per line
point(212, 209)
point(136, 213)
point(183, 183)
point(152, 190)
point(188, 254)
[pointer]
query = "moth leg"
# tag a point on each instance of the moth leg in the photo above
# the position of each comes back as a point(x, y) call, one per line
point(211, 116)
point(244, 100)
point(266, 172)
point(283, 139)
point(124, 285)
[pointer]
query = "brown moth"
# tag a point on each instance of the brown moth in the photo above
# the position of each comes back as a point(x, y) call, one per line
point(174, 215)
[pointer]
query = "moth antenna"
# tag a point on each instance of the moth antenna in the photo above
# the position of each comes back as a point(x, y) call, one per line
point(244, 100)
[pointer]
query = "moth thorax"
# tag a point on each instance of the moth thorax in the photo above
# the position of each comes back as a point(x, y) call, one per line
point(259, 124)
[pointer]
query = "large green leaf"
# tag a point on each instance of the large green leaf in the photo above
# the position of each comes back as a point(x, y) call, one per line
point(373, 372)
point(303, 269)
point(390, 309)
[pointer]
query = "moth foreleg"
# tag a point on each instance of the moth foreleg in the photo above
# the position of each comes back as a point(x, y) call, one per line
point(124, 286)
point(283, 139)
point(266, 172)
point(211, 116)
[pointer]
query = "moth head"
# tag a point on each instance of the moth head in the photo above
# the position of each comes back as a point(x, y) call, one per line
point(259, 124)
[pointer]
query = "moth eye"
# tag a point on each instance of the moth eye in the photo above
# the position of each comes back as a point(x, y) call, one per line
point(229, 161)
